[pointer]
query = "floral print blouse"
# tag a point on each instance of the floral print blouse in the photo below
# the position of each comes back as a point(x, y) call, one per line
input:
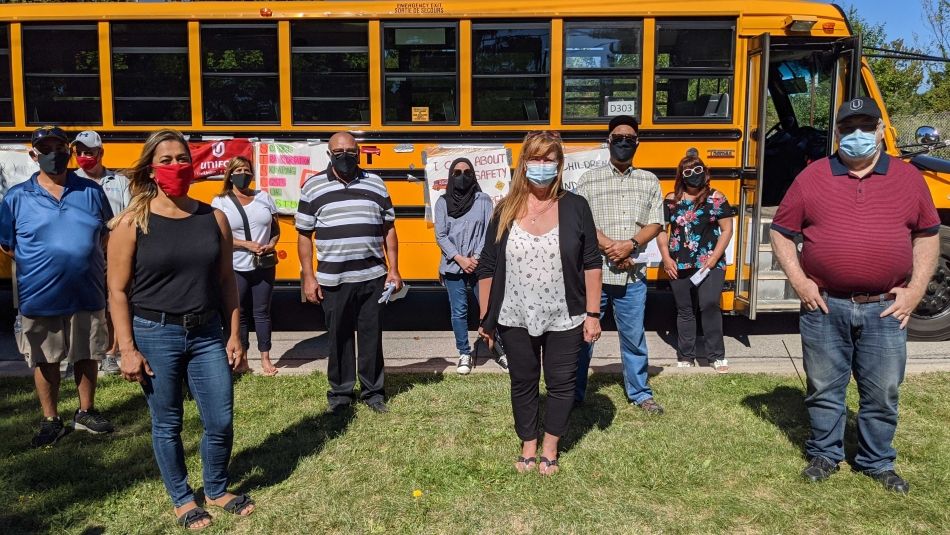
point(694, 230)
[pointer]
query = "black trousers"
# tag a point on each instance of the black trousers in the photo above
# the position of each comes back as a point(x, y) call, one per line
point(706, 296)
point(255, 290)
point(353, 307)
point(557, 350)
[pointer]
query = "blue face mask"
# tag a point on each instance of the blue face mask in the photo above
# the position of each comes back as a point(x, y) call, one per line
point(541, 174)
point(858, 144)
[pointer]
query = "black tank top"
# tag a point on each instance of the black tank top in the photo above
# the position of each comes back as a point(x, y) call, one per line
point(177, 268)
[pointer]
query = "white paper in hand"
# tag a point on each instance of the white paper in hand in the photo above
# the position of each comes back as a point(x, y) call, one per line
point(699, 276)
point(390, 293)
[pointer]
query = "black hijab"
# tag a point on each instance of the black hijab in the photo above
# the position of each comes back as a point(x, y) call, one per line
point(461, 190)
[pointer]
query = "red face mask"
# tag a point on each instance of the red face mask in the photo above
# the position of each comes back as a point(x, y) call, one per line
point(87, 163)
point(174, 178)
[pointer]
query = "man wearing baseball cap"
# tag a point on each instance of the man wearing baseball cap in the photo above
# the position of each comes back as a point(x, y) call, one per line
point(870, 234)
point(53, 225)
point(89, 153)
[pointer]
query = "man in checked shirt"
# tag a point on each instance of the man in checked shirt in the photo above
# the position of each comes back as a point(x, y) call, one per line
point(627, 204)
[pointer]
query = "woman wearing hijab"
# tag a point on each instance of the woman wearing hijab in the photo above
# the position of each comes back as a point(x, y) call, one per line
point(461, 219)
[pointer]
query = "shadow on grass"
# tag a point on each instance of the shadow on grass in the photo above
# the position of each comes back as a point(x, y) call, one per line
point(784, 407)
point(596, 411)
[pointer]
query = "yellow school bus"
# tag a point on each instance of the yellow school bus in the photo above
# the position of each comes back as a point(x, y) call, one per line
point(752, 85)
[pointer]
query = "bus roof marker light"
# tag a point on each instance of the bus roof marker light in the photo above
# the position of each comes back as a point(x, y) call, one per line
point(828, 27)
point(266, 12)
point(800, 23)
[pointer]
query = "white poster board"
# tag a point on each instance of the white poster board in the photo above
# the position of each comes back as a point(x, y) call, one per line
point(282, 168)
point(492, 170)
point(579, 160)
point(16, 166)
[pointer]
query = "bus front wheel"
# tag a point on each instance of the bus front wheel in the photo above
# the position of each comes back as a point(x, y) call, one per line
point(931, 321)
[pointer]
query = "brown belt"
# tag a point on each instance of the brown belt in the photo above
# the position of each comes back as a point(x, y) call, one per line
point(860, 298)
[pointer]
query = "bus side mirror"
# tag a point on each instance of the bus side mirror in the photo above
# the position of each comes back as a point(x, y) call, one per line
point(927, 135)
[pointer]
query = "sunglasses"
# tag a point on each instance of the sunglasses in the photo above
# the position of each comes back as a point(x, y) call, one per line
point(338, 152)
point(468, 173)
point(694, 171)
point(868, 128)
point(617, 138)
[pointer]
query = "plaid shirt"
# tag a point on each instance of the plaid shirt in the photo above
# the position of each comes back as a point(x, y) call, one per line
point(622, 203)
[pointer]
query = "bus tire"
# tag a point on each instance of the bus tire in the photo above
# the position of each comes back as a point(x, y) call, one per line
point(931, 321)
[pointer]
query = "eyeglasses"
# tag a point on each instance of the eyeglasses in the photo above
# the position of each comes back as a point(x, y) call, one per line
point(553, 134)
point(339, 152)
point(617, 138)
point(694, 171)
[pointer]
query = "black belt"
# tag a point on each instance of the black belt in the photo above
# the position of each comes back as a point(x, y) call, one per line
point(861, 298)
point(188, 321)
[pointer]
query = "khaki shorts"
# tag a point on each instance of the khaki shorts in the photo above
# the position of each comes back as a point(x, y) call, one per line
point(54, 339)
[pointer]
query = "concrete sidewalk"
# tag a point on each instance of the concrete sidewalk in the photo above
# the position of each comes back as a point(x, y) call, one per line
point(304, 352)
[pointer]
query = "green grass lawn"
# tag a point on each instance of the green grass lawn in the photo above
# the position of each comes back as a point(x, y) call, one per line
point(724, 459)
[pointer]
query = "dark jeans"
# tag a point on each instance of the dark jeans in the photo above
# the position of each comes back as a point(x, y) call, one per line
point(255, 289)
point(198, 355)
point(458, 287)
point(707, 294)
point(353, 307)
point(853, 339)
point(559, 350)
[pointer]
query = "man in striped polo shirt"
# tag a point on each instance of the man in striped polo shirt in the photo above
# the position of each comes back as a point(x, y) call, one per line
point(869, 228)
point(350, 215)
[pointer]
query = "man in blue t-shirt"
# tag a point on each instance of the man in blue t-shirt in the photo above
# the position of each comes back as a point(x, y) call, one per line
point(53, 226)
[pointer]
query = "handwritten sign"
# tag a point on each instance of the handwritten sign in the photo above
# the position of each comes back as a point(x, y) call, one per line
point(16, 166)
point(579, 160)
point(492, 170)
point(282, 168)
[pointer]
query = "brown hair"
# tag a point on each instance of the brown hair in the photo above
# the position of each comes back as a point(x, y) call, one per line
point(236, 162)
point(679, 188)
point(141, 183)
point(537, 143)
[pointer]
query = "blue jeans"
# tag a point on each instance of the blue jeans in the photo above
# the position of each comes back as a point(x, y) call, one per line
point(629, 304)
point(198, 355)
point(853, 339)
point(458, 287)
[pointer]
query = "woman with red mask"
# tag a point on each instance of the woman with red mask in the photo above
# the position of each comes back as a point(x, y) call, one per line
point(169, 275)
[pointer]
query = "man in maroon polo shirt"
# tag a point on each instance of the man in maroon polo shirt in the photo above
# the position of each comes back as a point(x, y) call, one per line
point(870, 234)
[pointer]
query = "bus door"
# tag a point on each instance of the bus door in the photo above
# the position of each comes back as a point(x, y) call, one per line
point(794, 88)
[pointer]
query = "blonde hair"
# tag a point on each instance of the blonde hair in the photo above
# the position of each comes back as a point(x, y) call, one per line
point(537, 143)
point(141, 183)
point(236, 162)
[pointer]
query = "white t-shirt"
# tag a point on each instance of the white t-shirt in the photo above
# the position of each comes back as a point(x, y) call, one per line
point(260, 213)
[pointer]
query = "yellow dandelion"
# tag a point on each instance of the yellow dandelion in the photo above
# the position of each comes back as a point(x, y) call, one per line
point(417, 493)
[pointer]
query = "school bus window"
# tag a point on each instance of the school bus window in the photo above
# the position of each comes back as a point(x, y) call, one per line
point(240, 73)
point(330, 71)
point(420, 64)
point(601, 69)
point(694, 70)
point(510, 78)
point(6, 90)
point(61, 73)
point(143, 52)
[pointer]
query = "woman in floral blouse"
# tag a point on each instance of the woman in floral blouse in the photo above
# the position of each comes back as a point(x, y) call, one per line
point(699, 227)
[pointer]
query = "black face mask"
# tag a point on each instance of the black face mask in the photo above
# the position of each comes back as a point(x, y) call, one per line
point(345, 164)
point(53, 163)
point(622, 151)
point(696, 180)
point(241, 180)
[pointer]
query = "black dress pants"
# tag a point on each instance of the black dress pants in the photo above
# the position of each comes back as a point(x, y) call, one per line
point(351, 307)
point(706, 296)
point(557, 351)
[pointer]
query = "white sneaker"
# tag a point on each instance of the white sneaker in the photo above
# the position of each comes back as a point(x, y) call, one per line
point(684, 364)
point(721, 366)
point(465, 364)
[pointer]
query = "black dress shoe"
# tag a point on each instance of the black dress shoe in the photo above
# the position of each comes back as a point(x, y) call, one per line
point(340, 409)
point(890, 480)
point(819, 469)
point(378, 407)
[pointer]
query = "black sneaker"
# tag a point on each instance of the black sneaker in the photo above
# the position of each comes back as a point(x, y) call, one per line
point(819, 469)
point(378, 407)
point(51, 430)
point(92, 421)
point(890, 480)
point(502, 362)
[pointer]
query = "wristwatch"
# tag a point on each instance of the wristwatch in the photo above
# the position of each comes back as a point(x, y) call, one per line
point(636, 247)
point(593, 314)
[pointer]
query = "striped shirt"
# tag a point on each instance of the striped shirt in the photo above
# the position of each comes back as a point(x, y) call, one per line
point(622, 204)
point(349, 223)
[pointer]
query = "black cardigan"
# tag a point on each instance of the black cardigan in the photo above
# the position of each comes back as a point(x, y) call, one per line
point(579, 253)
